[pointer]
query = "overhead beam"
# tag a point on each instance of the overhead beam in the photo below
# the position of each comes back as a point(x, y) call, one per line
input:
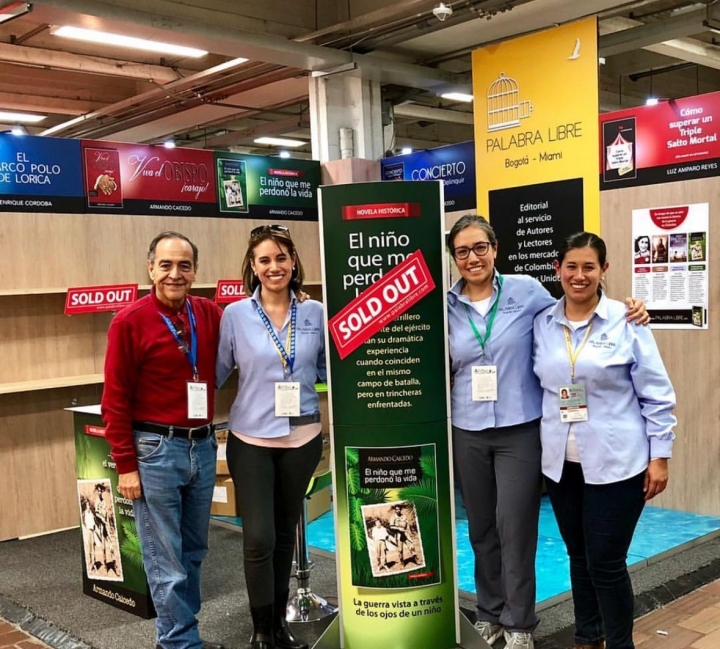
point(256, 46)
point(54, 60)
point(416, 111)
point(278, 127)
point(47, 105)
point(647, 34)
point(685, 49)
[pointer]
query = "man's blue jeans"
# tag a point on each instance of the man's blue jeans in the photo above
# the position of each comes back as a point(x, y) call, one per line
point(597, 522)
point(172, 517)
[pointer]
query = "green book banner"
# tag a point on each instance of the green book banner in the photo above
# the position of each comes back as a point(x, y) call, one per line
point(383, 246)
point(112, 558)
point(261, 187)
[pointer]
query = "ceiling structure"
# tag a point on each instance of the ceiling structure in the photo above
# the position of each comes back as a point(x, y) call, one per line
point(661, 48)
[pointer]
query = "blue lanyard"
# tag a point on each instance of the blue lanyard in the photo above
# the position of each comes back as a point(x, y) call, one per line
point(190, 354)
point(288, 361)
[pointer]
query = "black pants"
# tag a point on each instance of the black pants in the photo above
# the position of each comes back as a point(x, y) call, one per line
point(499, 474)
point(597, 522)
point(271, 485)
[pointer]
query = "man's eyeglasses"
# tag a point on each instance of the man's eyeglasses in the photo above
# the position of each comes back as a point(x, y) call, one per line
point(480, 249)
point(275, 228)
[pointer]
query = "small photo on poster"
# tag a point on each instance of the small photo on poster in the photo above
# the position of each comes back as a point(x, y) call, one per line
point(103, 186)
point(101, 544)
point(698, 313)
point(394, 542)
point(393, 516)
point(619, 150)
point(232, 185)
point(678, 247)
point(660, 249)
point(698, 246)
point(642, 249)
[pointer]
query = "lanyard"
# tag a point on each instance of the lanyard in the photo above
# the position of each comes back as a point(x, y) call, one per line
point(491, 318)
point(573, 355)
point(191, 353)
point(288, 361)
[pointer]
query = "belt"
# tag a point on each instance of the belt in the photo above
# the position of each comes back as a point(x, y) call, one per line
point(303, 420)
point(201, 432)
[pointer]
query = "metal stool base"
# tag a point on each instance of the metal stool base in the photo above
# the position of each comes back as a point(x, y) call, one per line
point(306, 606)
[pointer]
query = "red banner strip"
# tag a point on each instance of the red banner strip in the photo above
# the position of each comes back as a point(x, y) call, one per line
point(381, 303)
point(380, 211)
point(96, 431)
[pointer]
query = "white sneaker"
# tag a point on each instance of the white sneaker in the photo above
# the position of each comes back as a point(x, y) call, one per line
point(488, 631)
point(519, 640)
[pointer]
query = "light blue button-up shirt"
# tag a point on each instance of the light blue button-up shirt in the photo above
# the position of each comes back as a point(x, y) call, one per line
point(245, 342)
point(509, 348)
point(629, 395)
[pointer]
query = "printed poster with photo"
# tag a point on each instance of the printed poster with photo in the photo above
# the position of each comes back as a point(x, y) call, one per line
point(112, 567)
point(670, 264)
point(392, 499)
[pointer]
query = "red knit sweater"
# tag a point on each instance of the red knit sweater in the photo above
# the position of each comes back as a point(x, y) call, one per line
point(146, 374)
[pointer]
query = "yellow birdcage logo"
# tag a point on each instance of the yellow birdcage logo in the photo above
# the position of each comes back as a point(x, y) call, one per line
point(504, 107)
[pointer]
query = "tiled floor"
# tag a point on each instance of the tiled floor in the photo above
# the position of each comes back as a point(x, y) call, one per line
point(13, 638)
point(691, 622)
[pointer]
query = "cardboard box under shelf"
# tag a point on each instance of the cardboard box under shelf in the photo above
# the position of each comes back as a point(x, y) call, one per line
point(318, 504)
point(224, 502)
point(221, 433)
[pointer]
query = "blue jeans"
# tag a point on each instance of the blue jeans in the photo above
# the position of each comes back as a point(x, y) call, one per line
point(173, 516)
point(597, 522)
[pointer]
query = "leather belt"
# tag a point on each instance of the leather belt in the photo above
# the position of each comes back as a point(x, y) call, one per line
point(303, 420)
point(201, 432)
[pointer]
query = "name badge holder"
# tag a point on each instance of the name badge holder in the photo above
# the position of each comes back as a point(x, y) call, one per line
point(484, 377)
point(573, 397)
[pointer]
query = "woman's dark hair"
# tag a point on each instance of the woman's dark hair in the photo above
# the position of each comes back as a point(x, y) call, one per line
point(467, 221)
point(250, 279)
point(583, 240)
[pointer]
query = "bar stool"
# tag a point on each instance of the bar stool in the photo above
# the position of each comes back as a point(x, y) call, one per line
point(306, 606)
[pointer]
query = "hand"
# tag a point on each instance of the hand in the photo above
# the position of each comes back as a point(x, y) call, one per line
point(106, 184)
point(656, 477)
point(302, 296)
point(637, 312)
point(129, 485)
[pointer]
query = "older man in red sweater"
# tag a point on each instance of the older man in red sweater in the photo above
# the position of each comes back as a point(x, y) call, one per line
point(158, 406)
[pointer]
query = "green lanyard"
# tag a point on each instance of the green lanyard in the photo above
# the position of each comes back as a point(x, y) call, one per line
point(491, 318)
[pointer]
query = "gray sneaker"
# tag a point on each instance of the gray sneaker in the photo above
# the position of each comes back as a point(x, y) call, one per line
point(488, 631)
point(519, 640)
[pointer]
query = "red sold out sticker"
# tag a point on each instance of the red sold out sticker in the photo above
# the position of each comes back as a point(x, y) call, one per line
point(229, 290)
point(381, 303)
point(92, 299)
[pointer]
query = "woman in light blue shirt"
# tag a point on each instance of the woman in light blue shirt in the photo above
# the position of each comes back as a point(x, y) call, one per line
point(496, 408)
point(278, 346)
point(605, 441)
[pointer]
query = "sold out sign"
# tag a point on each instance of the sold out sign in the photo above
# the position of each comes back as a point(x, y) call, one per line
point(229, 290)
point(385, 300)
point(91, 299)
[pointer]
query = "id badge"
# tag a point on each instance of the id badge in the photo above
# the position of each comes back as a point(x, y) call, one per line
point(197, 399)
point(484, 383)
point(573, 403)
point(287, 399)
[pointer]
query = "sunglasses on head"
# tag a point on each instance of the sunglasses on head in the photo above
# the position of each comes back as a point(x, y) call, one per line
point(275, 228)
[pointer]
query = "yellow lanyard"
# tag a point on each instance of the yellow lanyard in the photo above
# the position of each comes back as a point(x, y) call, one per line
point(573, 355)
